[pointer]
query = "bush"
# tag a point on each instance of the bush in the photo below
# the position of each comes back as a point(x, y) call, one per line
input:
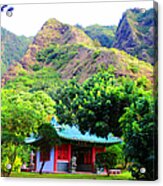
point(106, 160)
point(36, 67)
point(119, 150)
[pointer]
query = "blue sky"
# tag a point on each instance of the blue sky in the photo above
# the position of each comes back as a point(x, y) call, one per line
point(28, 19)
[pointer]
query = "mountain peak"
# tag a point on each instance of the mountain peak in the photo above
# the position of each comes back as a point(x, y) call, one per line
point(53, 31)
point(51, 23)
point(136, 10)
point(135, 33)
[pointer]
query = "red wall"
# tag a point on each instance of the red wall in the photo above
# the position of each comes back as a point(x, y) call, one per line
point(63, 152)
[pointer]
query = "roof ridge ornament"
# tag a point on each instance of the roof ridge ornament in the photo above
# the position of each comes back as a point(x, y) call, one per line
point(55, 124)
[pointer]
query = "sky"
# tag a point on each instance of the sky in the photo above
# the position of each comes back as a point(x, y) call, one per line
point(28, 19)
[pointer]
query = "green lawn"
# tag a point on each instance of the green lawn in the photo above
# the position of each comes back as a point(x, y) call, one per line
point(124, 176)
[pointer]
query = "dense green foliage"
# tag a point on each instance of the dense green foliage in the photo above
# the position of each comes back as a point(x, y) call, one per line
point(46, 79)
point(118, 149)
point(92, 104)
point(139, 125)
point(27, 107)
point(13, 48)
point(49, 135)
point(58, 55)
point(22, 114)
point(114, 157)
point(15, 155)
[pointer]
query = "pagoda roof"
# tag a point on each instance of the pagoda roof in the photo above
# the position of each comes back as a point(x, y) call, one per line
point(73, 133)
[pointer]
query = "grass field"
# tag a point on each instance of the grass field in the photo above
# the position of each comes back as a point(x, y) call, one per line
point(124, 176)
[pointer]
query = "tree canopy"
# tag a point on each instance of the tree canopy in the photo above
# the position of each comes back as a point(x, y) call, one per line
point(98, 103)
point(139, 124)
point(22, 114)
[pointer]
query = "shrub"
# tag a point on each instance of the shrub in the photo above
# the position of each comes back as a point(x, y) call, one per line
point(120, 158)
point(106, 160)
point(36, 67)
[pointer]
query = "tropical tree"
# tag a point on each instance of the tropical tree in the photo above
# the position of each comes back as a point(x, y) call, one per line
point(97, 104)
point(22, 114)
point(139, 124)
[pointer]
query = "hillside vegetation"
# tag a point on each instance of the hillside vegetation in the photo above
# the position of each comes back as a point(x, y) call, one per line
point(13, 48)
point(81, 61)
point(105, 35)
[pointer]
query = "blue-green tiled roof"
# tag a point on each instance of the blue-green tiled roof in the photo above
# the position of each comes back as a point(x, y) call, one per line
point(73, 133)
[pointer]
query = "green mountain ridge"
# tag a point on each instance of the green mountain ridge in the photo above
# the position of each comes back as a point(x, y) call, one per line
point(52, 31)
point(72, 53)
point(13, 48)
point(105, 35)
point(136, 34)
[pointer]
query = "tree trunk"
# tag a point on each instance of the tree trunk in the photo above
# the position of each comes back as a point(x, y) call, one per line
point(42, 166)
point(108, 172)
point(126, 162)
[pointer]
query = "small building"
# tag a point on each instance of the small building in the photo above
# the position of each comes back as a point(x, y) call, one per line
point(83, 146)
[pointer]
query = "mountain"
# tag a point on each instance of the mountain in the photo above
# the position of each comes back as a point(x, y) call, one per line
point(70, 52)
point(135, 34)
point(13, 48)
point(105, 35)
point(54, 31)
point(58, 63)
point(80, 61)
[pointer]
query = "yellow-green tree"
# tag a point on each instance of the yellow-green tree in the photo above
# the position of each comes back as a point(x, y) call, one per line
point(22, 114)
